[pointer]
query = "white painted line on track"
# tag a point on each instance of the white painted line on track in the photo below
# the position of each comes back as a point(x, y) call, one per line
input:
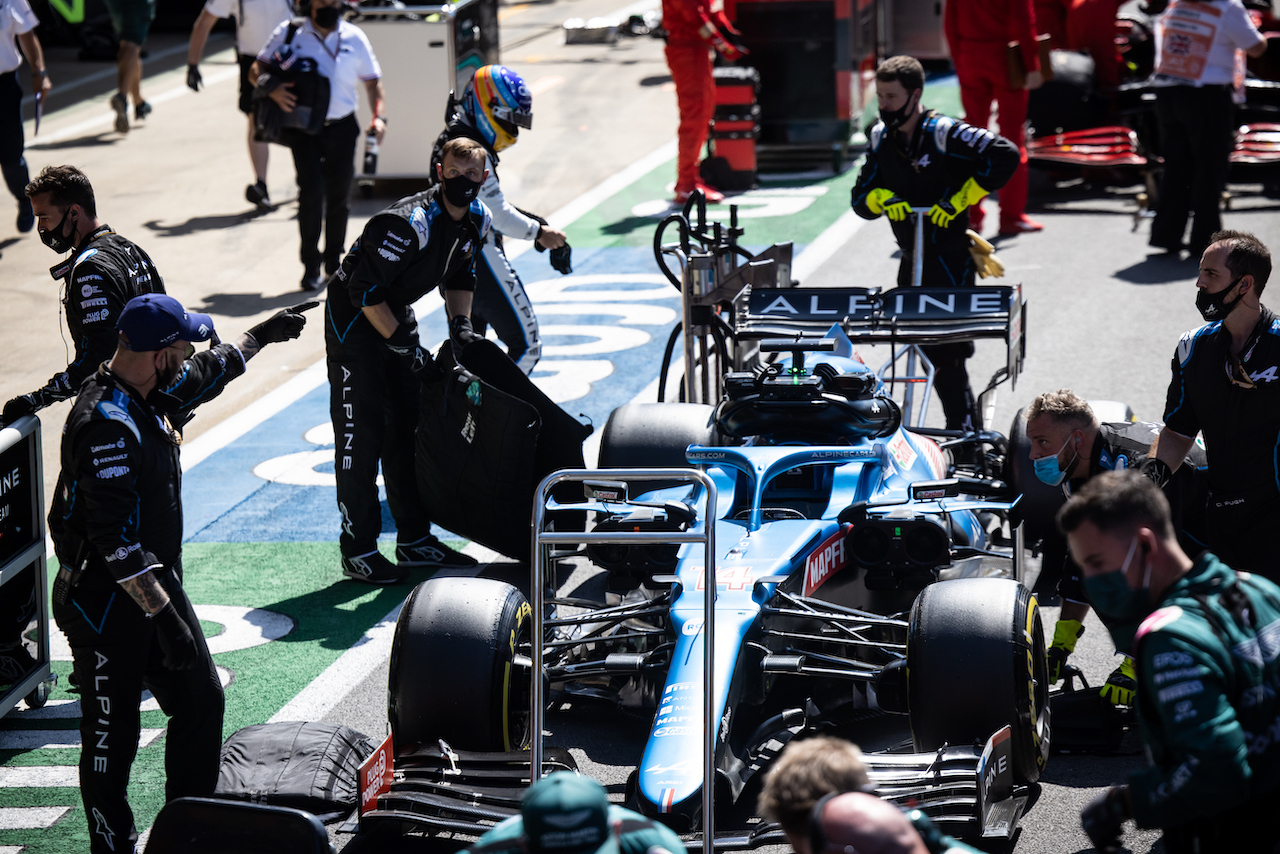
point(58, 739)
point(330, 687)
point(826, 245)
point(40, 776)
point(54, 710)
point(11, 849)
point(27, 818)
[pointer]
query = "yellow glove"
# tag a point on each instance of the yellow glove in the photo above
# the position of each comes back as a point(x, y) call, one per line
point(986, 263)
point(946, 210)
point(1120, 686)
point(883, 201)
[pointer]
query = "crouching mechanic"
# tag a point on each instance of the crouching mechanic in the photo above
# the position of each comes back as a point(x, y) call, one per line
point(374, 358)
point(919, 158)
point(1206, 659)
point(116, 525)
point(565, 813)
point(1069, 446)
point(494, 106)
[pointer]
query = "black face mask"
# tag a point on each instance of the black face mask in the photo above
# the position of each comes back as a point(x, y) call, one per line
point(460, 190)
point(326, 17)
point(894, 119)
point(56, 240)
point(1215, 306)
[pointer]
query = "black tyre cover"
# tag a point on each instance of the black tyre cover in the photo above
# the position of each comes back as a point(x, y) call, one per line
point(305, 765)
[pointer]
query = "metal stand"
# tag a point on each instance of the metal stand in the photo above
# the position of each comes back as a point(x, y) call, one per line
point(706, 538)
point(22, 550)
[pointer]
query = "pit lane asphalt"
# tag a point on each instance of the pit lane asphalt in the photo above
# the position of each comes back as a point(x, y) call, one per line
point(1103, 319)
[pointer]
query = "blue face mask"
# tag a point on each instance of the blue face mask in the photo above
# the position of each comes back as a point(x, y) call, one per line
point(1048, 470)
point(1121, 608)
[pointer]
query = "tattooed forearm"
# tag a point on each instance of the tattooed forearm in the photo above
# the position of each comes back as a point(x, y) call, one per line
point(145, 589)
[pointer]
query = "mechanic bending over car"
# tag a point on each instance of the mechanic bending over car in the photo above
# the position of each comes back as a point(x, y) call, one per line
point(1069, 446)
point(116, 525)
point(1226, 384)
point(375, 360)
point(917, 158)
point(565, 813)
point(804, 773)
point(1205, 653)
point(859, 823)
point(494, 106)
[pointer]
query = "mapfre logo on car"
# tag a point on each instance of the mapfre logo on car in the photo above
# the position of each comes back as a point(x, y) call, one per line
point(825, 561)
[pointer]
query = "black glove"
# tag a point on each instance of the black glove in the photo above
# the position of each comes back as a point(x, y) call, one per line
point(404, 343)
point(1156, 469)
point(561, 259)
point(1103, 819)
point(193, 78)
point(460, 334)
point(179, 645)
point(284, 325)
point(24, 404)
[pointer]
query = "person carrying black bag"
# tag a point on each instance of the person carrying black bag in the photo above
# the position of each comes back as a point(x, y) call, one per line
point(324, 159)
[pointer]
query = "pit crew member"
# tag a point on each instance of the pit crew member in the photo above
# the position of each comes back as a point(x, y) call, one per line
point(103, 272)
point(1207, 665)
point(1197, 47)
point(854, 822)
point(565, 813)
point(1069, 446)
point(918, 158)
point(116, 525)
point(977, 33)
point(804, 773)
point(325, 162)
point(1226, 384)
point(694, 28)
point(494, 106)
point(423, 241)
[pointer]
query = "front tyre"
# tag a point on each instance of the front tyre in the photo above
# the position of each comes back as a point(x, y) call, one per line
point(975, 662)
point(454, 670)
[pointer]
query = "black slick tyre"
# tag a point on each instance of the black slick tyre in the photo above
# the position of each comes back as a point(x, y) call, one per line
point(455, 672)
point(975, 662)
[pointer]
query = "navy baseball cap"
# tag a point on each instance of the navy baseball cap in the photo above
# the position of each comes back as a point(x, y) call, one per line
point(567, 814)
point(154, 321)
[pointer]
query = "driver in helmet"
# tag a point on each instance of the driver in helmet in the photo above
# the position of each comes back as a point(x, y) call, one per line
point(493, 108)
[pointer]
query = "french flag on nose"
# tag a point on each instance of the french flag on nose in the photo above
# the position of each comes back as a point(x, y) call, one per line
point(666, 797)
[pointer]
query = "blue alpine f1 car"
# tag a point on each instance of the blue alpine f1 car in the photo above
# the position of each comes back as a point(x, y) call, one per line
point(862, 567)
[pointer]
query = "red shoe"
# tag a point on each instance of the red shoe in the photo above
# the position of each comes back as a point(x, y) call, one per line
point(1026, 225)
point(713, 196)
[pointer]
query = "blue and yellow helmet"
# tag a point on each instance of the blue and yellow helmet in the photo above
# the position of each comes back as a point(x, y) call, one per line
point(498, 103)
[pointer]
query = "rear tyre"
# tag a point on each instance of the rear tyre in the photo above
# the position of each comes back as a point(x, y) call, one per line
point(655, 435)
point(975, 662)
point(454, 673)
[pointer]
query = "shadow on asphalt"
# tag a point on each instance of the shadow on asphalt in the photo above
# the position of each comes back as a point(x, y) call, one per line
point(248, 305)
point(1160, 269)
point(106, 137)
point(204, 223)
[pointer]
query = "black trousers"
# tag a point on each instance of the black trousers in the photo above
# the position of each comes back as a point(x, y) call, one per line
point(1196, 136)
point(325, 164)
point(12, 163)
point(947, 264)
point(116, 655)
point(373, 401)
point(1244, 532)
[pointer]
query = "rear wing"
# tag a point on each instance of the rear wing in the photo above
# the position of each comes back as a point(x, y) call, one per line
point(897, 316)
